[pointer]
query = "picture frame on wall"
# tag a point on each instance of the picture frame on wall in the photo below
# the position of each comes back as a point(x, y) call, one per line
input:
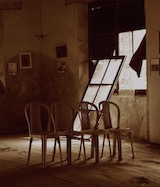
point(61, 51)
point(25, 59)
point(12, 68)
point(155, 65)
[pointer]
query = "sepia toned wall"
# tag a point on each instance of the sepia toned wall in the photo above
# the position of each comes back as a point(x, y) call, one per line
point(39, 27)
point(153, 52)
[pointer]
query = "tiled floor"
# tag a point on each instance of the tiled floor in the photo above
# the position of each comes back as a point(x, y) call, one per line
point(142, 171)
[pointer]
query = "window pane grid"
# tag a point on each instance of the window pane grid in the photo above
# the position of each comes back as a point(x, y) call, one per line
point(103, 82)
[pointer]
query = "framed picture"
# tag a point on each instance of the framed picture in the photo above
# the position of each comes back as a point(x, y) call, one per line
point(12, 68)
point(155, 65)
point(61, 51)
point(25, 60)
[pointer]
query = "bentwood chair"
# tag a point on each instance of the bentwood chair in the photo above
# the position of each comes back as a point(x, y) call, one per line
point(62, 116)
point(88, 117)
point(110, 113)
point(38, 118)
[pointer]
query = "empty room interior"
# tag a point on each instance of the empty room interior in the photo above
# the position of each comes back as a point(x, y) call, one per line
point(79, 93)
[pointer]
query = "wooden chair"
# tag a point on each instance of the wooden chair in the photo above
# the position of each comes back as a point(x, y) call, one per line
point(110, 113)
point(38, 118)
point(88, 116)
point(62, 116)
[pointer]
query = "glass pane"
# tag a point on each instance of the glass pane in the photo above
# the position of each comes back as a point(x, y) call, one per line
point(90, 93)
point(138, 36)
point(128, 44)
point(102, 94)
point(112, 71)
point(140, 83)
point(77, 124)
point(99, 71)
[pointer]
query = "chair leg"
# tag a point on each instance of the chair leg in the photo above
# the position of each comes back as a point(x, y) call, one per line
point(92, 145)
point(115, 140)
point(54, 149)
point(84, 149)
point(60, 151)
point(29, 151)
point(130, 136)
point(44, 143)
point(96, 143)
point(69, 148)
point(119, 145)
point(82, 143)
point(114, 143)
point(80, 148)
point(104, 137)
point(109, 143)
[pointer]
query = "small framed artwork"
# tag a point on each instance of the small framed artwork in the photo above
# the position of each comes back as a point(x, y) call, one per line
point(155, 65)
point(25, 60)
point(12, 68)
point(61, 51)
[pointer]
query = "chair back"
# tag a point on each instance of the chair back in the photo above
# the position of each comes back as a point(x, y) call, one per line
point(88, 115)
point(38, 117)
point(62, 116)
point(110, 113)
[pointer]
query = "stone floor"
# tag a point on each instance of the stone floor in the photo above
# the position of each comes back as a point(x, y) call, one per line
point(142, 171)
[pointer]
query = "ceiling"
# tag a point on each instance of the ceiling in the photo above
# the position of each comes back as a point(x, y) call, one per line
point(68, 2)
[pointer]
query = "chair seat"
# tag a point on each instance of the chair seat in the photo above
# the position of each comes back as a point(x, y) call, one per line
point(88, 131)
point(111, 130)
point(125, 130)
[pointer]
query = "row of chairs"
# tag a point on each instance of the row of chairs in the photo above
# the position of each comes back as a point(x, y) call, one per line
point(91, 117)
point(60, 119)
point(48, 122)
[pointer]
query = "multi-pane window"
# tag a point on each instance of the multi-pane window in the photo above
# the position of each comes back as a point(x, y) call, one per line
point(128, 45)
point(104, 79)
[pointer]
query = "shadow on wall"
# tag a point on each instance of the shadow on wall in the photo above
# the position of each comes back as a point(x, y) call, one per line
point(42, 82)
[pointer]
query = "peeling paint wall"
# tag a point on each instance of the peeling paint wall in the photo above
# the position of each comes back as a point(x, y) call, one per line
point(38, 28)
point(133, 110)
point(82, 25)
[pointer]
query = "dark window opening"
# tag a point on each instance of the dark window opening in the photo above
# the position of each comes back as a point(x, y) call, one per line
point(107, 19)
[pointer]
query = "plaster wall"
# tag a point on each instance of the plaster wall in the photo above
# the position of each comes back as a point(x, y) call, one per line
point(38, 27)
point(153, 51)
point(133, 111)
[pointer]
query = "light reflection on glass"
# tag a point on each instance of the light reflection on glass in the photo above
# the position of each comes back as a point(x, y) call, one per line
point(90, 93)
point(99, 71)
point(112, 71)
point(102, 94)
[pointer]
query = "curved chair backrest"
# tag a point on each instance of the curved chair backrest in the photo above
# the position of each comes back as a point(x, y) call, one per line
point(110, 113)
point(88, 114)
point(38, 117)
point(62, 116)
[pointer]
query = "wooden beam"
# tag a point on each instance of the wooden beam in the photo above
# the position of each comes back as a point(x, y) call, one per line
point(69, 2)
point(10, 5)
